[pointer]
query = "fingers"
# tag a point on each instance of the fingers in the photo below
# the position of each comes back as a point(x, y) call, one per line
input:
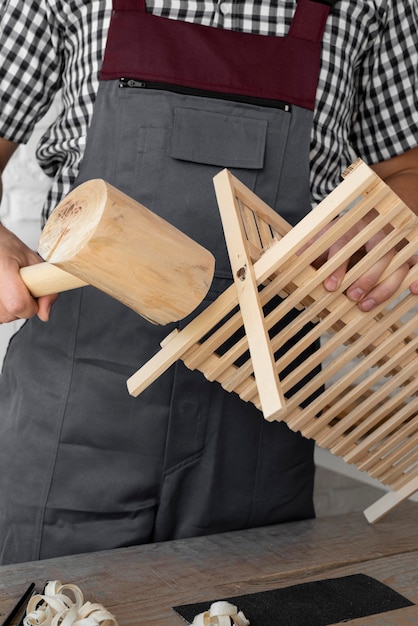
point(368, 299)
point(369, 290)
point(413, 287)
point(16, 301)
point(333, 282)
point(44, 307)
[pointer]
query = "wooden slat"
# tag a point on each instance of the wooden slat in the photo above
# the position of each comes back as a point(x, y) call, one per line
point(269, 389)
point(385, 504)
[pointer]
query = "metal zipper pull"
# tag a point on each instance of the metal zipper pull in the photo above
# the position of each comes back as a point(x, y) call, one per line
point(130, 82)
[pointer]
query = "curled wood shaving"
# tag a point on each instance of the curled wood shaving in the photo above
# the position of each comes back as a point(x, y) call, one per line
point(221, 614)
point(56, 608)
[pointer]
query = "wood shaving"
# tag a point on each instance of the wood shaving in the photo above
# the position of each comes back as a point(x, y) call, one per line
point(221, 613)
point(63, 605)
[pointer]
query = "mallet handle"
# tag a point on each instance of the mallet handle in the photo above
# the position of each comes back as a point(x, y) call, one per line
point(43, 279)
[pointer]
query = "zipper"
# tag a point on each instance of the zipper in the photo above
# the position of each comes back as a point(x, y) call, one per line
point(132, 83)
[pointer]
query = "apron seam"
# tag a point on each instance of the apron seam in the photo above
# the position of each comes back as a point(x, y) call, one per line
point(164, 471)
point(57, 442)
point(183, 463)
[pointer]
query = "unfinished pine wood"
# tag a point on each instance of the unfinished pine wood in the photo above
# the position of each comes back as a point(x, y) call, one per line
point(391, 499)
point(357, 393)
point(262, 358)
point(100, 236)
point(43, 279)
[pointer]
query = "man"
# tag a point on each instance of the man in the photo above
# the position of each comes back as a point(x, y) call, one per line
point(226, 86)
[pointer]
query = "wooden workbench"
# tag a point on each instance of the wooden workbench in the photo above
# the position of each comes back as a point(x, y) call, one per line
point(140, 585)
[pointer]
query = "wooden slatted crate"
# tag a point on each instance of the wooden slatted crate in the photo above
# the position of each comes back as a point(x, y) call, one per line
point(357, 393)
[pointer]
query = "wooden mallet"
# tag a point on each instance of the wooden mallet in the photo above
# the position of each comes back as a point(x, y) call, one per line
point(99, 236)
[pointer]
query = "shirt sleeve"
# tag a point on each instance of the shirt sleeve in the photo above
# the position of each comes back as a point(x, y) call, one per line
point(30, 62)
point(386, 122)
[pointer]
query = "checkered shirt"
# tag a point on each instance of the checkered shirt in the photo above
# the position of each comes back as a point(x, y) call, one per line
point(366, 99)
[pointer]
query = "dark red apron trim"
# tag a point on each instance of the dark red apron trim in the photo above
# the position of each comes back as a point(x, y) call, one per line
point(147, 47)
point(309, 21)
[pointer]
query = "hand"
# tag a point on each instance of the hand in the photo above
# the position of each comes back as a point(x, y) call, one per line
point(367, 291)
point(15, 300)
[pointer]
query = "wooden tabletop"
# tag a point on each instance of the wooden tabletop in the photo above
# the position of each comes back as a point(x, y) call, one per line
point(140, 585)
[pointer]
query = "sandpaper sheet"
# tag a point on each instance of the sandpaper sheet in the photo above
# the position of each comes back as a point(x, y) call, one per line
point(317, 603)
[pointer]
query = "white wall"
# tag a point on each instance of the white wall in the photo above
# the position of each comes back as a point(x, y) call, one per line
point(24, 189)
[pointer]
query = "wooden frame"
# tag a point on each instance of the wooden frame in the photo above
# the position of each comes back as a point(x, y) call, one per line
point(361, 402)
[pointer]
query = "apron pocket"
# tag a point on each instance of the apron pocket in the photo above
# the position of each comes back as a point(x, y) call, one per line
point(216, 139)
point(170, 146)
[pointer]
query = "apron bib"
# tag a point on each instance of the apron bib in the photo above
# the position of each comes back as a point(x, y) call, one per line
point(177, 102)
point(167, 119)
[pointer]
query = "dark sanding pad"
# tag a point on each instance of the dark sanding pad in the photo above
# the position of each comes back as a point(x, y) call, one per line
point(317, 603)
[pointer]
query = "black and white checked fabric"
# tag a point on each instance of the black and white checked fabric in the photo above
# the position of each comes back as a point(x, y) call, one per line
point(366, 101)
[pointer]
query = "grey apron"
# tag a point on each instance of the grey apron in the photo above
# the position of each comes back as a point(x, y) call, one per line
point(84, 466)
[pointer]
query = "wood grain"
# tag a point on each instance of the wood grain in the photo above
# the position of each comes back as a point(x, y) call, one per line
point(140, 585)
point(106, 239)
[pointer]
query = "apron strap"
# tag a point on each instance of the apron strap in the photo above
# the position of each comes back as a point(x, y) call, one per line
point(309, 20)
point(305, 25)
point(129, 5)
